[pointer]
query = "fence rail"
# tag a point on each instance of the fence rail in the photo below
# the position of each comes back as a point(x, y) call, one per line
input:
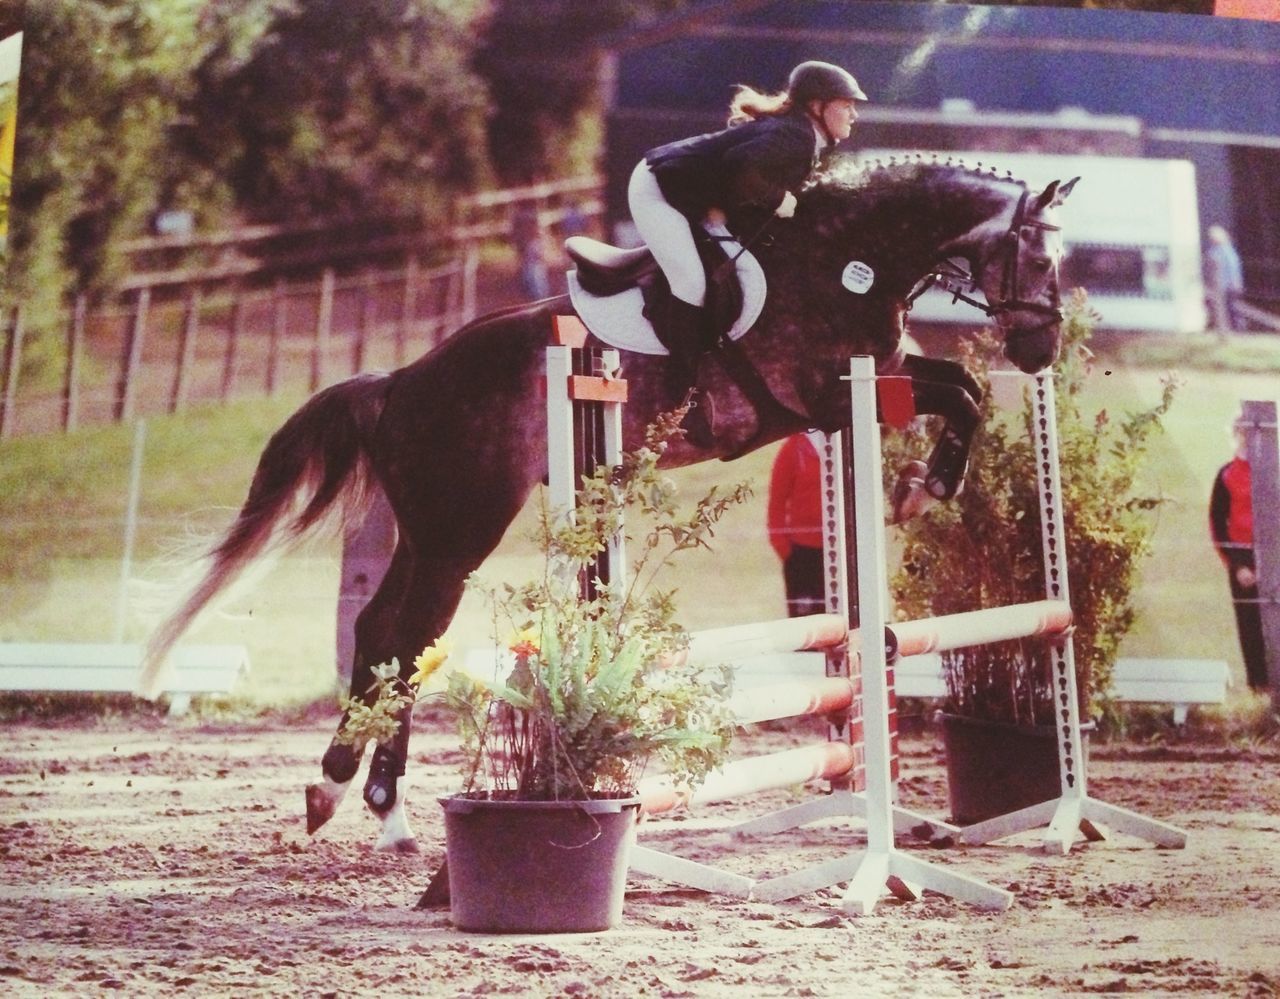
point(154, 354)
point(242, 319)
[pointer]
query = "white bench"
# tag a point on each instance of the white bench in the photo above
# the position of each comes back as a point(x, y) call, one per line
point(103, 668)
point(1177, 682)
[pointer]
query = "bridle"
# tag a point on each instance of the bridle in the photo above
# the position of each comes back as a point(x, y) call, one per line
point(960, 284)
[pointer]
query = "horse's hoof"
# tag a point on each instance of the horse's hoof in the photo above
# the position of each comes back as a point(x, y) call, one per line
point(320, 807)
point(405, 846)
point(909, 497)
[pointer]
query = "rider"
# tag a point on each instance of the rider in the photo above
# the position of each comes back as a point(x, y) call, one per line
point(755, 164)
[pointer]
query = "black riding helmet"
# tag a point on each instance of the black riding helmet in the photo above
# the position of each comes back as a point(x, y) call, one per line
point(822, 81)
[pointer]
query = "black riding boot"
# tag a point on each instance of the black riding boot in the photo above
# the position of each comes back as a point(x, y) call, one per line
point(685, 334)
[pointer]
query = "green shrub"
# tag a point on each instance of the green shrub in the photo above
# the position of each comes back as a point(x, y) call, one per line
point(983, 549)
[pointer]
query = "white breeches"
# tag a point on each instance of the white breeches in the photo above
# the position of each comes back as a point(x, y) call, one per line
point(667, 234)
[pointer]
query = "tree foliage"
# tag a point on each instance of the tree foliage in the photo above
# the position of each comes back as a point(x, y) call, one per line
point(261, 110)
point(100, 83)
point(541, 63)
point(339, 108)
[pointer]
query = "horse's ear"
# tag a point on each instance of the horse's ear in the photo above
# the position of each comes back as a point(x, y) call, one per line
point(1046, 198)
point(1055, 194)
point(1064, 190)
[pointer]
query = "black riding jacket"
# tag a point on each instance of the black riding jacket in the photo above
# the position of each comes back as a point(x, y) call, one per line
point(747, 166)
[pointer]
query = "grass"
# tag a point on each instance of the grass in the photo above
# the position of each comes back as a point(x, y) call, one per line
point(62, 503)
point(1245, 353)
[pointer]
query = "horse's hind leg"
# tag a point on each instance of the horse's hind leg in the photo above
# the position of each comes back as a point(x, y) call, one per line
point(451, 532)
point(374, 627)
point(430, 600)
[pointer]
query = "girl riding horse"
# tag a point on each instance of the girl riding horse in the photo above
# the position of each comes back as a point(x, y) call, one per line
point(753, 167)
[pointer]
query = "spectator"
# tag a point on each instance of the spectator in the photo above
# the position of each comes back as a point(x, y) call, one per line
point(1231, 525)
point(795, 521)
point(1224, 280)
point(530, 243)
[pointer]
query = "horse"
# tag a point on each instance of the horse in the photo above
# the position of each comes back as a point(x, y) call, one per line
point(456, 440)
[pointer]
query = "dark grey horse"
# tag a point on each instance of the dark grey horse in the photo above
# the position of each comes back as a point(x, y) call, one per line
point(457, 440)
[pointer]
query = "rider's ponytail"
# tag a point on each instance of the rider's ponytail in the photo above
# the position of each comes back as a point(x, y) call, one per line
point(749, 104)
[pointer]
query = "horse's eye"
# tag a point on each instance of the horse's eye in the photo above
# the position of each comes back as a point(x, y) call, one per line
point(1041, 264)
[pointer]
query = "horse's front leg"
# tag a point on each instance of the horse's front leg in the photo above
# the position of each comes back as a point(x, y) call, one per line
point(947, 389)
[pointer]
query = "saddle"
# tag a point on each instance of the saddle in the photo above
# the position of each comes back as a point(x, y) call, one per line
point(619, 293)
point(604, 271)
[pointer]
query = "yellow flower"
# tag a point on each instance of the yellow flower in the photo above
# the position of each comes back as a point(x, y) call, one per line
point(527, 642)
point(432, 658)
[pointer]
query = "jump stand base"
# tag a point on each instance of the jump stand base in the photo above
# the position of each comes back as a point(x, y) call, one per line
point(842, 804)
point(1071, 814)
point(869, 873)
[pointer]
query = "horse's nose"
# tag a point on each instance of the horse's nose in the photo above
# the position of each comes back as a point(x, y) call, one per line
point(1034, 351)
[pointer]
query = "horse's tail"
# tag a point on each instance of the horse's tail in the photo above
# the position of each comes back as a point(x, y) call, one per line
point(315, 459)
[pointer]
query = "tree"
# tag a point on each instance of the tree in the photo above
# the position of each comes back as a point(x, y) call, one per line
point(541, 62)
point(267, 110)
point(98, 88)
point(346, 108)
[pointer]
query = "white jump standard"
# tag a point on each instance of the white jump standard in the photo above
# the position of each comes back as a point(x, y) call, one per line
point(1073, 810)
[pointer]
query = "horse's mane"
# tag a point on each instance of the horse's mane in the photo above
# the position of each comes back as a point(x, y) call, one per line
point(859, 199)
point(845, 175)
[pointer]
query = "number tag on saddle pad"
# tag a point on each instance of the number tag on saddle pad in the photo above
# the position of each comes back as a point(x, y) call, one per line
point(857, 277)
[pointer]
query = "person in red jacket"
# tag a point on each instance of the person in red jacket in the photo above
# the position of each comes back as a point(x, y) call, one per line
point(795, 521)
point(1231, 525)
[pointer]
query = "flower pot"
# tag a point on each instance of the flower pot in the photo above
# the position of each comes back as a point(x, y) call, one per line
point(538, 866)
point(994, 768)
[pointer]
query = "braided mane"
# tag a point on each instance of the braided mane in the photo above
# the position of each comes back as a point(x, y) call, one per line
point(869, 177)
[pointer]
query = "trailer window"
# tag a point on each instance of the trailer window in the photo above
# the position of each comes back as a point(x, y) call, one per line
point(1106, 270)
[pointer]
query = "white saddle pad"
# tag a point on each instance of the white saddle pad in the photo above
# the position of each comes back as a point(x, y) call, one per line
point(619, 321)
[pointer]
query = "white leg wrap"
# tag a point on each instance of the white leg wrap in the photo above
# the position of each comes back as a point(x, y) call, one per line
point(396, 834)
point(333, 791)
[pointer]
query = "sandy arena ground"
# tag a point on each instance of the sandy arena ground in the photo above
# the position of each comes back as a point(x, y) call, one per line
point(154, 857)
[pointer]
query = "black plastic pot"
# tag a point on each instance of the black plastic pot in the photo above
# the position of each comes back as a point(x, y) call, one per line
point(538, 866)
point(994, 768)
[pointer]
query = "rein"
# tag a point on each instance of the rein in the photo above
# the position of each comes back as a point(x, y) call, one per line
point(959, 283)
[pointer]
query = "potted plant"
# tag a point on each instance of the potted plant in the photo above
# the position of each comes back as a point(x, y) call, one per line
point(984, 550)
point(584, 697)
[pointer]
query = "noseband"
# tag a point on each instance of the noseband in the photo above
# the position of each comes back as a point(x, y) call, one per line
point(960, 284)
